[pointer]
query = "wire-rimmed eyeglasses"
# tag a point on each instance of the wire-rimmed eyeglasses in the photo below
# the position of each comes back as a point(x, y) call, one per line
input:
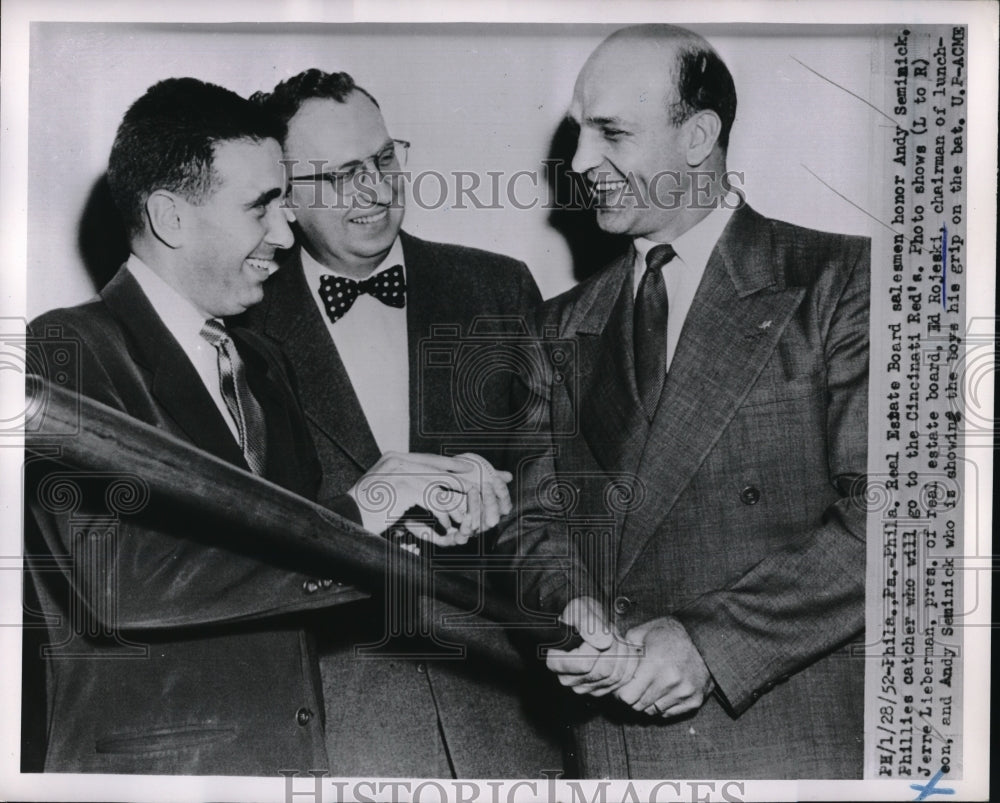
point(346, 178)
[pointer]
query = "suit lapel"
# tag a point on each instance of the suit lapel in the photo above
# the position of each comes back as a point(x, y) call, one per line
point(428, 303)
point(293, 320)
point(265, 388)
point(612, 419)
point(738, 315)
point(175, 383)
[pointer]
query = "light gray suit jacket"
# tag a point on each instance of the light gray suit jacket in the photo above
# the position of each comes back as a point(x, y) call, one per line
point(738, 509)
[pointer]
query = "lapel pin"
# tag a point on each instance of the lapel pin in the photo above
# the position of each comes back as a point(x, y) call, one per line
point(753, 334)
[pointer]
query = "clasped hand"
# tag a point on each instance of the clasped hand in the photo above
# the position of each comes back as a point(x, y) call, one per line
point(655, 668)
point(464, 494)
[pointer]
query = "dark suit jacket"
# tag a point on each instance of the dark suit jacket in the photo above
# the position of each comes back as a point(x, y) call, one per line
point(391, 716)
point(740, 516)
point(449, 287)
point(168, 654)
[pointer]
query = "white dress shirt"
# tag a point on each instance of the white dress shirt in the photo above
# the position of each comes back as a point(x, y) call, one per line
point(372, 341)
point(683, 273)
point(184, 321)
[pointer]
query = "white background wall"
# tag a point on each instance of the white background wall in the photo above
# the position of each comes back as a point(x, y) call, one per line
point(470, 98)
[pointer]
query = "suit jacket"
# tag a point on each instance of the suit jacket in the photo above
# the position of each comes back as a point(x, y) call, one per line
point(736, 508)
point(166, 653)
point(390, 715)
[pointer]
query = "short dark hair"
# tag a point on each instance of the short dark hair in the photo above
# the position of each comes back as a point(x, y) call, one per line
point(287, 97)
point(167, 140)
point(704, 83)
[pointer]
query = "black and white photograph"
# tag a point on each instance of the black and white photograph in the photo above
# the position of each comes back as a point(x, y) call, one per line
point(419, 403)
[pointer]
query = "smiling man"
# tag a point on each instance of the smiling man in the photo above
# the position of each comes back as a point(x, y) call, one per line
point(164, 653)
point(349, 309)
point(724, 371)
point(349, 219)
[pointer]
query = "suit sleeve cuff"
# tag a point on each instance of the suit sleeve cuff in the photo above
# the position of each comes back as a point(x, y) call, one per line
point(727, 667)
point(551, 591)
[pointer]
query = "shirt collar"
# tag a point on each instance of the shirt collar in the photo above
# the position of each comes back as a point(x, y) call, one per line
point(695, 246)
point(180, 316)
point(314, 269)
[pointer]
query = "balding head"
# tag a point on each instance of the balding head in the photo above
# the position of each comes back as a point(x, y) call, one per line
point(684, 69)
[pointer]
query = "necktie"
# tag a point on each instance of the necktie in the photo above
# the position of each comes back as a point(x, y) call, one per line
point(243, 407)
point(339, 293)
point(650, 333)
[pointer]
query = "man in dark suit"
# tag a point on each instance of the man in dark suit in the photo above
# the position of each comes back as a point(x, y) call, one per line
point(167, 652)
point(372, 321)
point(722, 373)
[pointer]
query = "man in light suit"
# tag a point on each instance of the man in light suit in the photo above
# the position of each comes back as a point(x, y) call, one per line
point(166, 650)
point(722, 372)
point(357, 309)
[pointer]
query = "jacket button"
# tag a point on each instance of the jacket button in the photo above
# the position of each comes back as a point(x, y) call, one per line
point(310, 586)
point(750, 495)
point(303, 716)
point(422, 668)
point(622, 605)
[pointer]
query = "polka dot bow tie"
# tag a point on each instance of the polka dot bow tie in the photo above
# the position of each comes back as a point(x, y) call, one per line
point(339, 294)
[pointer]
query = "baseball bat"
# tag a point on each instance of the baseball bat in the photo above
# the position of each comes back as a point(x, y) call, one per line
point(86, 435)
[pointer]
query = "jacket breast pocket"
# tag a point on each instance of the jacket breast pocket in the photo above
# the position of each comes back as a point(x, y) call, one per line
point(184, 737)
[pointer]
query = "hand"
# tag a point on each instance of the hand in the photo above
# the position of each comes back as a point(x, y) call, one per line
point(464, 495)
point(603, 662)
point(672, 677)
point(493, 488)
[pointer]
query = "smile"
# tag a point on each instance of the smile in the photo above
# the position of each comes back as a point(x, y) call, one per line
point(601, 190)
point(263, 266)
point(373, 218)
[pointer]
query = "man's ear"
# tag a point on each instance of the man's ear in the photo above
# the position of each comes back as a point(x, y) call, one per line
point(164, 214)
point(703, 132)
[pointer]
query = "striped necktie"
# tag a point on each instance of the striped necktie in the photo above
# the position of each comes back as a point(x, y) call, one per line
point(243, 407)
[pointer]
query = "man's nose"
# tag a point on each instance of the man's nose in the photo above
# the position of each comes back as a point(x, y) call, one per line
point(377, 187)
point(587, 155)
point(279, 234)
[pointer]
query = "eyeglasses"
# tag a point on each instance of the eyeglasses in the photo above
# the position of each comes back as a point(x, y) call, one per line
point(347, 178)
